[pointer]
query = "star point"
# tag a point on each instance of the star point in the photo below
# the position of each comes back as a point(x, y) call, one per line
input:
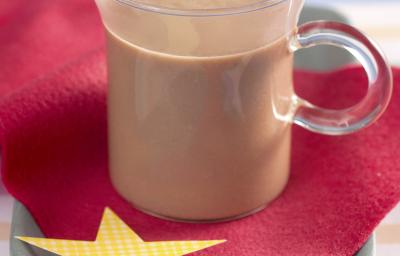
point(115, 238)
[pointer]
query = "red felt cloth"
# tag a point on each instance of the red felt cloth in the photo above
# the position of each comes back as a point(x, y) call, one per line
point(54, 157)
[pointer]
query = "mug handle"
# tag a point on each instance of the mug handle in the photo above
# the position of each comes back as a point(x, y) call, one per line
point(373, 105)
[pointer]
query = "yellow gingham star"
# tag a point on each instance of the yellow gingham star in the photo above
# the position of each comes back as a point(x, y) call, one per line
point(115, 238)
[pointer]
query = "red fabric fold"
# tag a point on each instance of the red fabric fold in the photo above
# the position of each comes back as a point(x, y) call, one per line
point(39, 36)
point(54, 147)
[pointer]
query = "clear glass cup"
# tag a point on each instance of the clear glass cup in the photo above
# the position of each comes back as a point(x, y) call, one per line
point(201, 102)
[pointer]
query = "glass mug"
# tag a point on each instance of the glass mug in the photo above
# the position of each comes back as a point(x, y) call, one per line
point(201, 102)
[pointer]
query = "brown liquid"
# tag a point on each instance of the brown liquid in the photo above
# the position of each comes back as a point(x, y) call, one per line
point(199, 138)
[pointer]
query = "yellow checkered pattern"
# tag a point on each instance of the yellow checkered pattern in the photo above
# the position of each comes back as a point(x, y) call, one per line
point(115, 238)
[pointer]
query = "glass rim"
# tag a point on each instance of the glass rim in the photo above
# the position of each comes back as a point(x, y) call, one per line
point(259, 5)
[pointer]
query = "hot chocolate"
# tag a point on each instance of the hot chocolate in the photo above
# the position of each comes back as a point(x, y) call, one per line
point(201, 101)
point(199, 138)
